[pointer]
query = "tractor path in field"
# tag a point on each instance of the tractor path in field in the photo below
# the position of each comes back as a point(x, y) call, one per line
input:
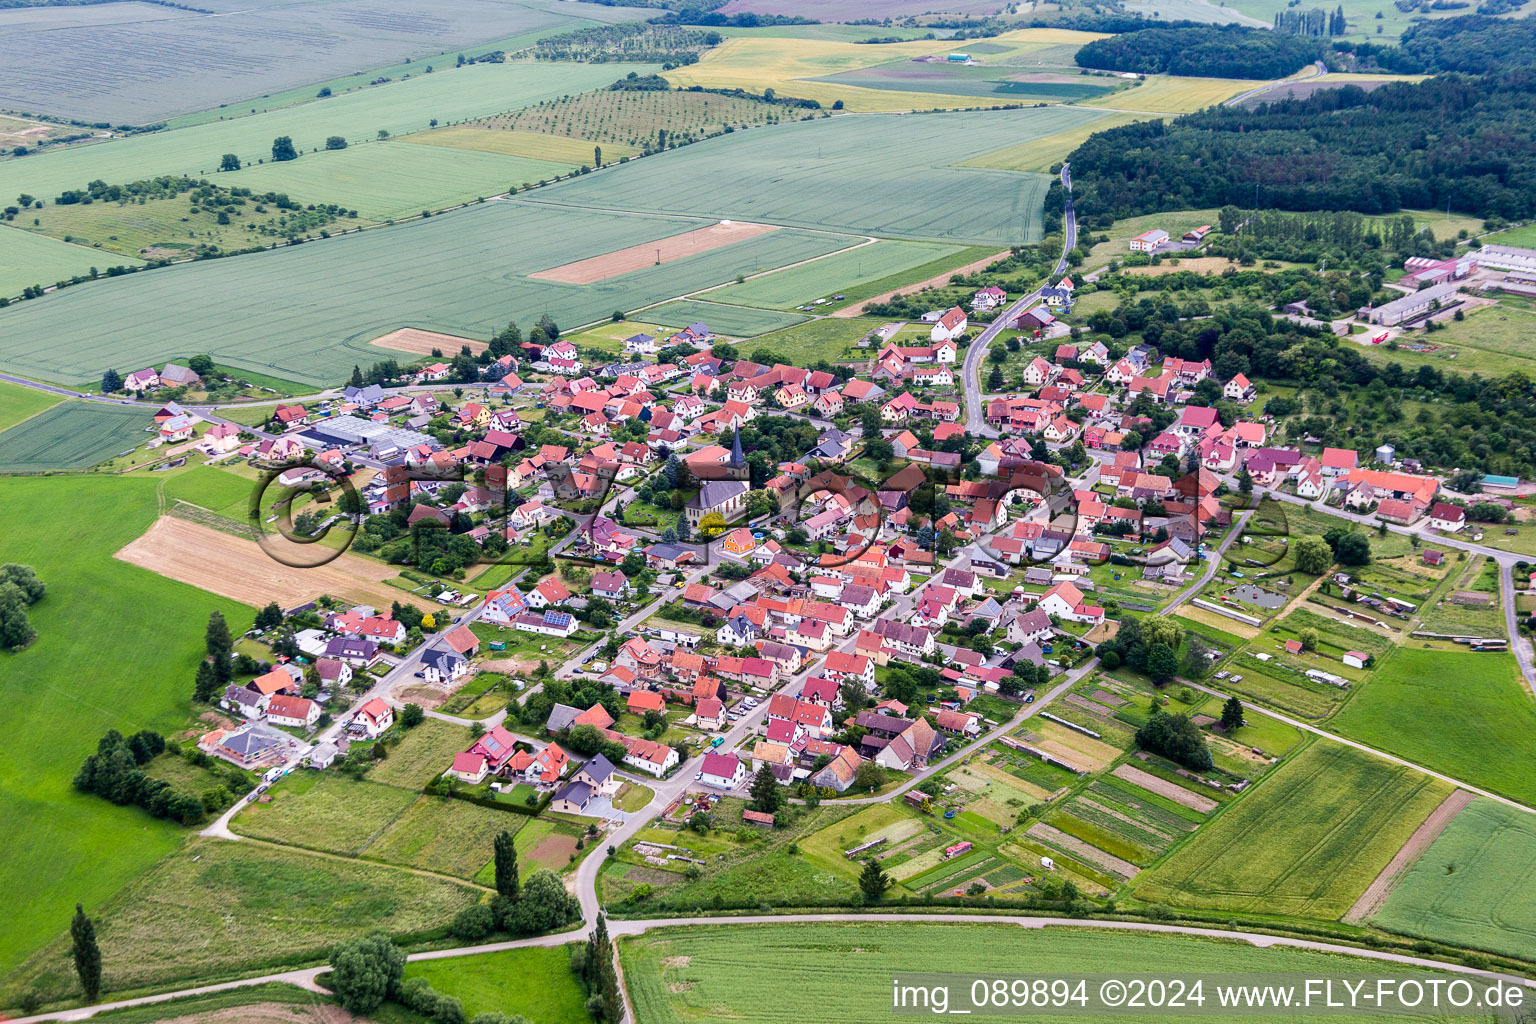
point(1377, 892)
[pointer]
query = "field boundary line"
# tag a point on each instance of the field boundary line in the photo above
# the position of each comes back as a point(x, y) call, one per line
point(1429, 830)
point(327, 855)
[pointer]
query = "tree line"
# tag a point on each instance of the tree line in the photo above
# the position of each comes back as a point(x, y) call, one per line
point(1409, 145)
point(1207, 51)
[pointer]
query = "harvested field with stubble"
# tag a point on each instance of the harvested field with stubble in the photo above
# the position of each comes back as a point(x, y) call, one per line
point(421, 343)
point(1162, 787)
point(647, 254)
point(239, 569)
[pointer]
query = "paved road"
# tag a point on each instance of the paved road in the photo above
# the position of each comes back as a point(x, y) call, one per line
point(1318, 69)
point(305, 978)
point(970, 373)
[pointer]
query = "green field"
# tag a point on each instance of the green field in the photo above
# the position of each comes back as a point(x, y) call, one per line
point(18, 402)
point(1305, 841)
point(733, 321)
point(72, 435)
point(1524, 236)
point(840, 272)
point(307, 312)
point(563, 151)
point(27, 259)
point(877, 174)
point(831, 973)
point(117, 647)
point(1474, 885)
point(402, 107)
point(1465, 714)
point(1040, 154)
point(384, 181)
point(535, 982)
point(834, 339)
point(220, 907)
point(214, 489)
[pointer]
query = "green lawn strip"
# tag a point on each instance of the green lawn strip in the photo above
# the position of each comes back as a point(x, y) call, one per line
point(116, 647)
point(722, 318)
point(212, 488)
point(1097, 835)
point(251, 995)
point(18, 402)
point(850, 273)
point(1463, 713)
point(534, 982)
point(1304, 842)
point(1473, 885)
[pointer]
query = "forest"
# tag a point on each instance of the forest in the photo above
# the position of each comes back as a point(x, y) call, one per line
point(1205, 51)
point(1466, 142)
point(1473, 44)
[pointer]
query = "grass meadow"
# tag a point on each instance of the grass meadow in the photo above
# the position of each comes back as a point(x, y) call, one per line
point(1306, 841)
point(535, 982)
point(565, 152)
point(400, 108)
point(72, 435)
point(136, 64)
point(18, 402)
point(27, 259)
point(834, 339)
point(830, 973)
point(215, 908)
point(116, 647)
point(1474, 886)
point(306, 313)
point(838, 273)
point(878, 175)
point(1170, 94)
point(390, 180)
point(1462, 713)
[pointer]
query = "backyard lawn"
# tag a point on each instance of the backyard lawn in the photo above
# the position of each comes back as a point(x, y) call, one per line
point(534, 982)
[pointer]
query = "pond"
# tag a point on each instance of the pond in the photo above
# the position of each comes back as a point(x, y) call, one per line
point(1250, 594)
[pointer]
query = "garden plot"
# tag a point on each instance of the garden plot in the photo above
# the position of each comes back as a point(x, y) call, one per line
point(1085, 852)
point(991, 792)
point(1165, 789)
point(1084, 751)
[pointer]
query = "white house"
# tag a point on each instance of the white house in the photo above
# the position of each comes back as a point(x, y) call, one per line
point(292, 711)
point(723, 771)
point(1447, 518)
point(373, 718)
point(443, 666)
point(949, 326)
point(1065, 601)
point(649, 756)
point(1148, 241)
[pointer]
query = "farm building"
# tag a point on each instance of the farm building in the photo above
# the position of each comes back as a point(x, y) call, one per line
point(1411, 307)
point(1148, 241)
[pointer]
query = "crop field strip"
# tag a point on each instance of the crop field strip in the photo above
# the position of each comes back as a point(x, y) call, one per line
point(308, 313)
point(133, 63)
point(18, 403)
point(1344, 816)
point(840, 272)
point(27, 259)
point(832, 973)
point(392, 180)
point(570, 152)
point(887, 175)
point(398, 108)
point(72, 435)
point(1475, 885)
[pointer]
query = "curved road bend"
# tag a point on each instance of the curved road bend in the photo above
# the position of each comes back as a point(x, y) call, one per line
point(970, 375)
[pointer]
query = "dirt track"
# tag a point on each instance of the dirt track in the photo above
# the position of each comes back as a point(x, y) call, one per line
point(1376, 894)
point(272, 1013)
point(933, 282)
point(648, 254)
point(421, 343)
point(238, 569)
